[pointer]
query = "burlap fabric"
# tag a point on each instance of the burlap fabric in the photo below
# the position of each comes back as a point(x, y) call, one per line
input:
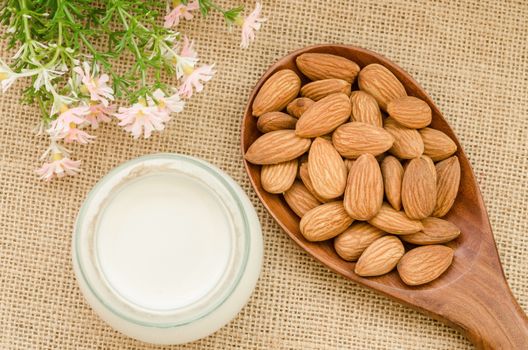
point(470, 56)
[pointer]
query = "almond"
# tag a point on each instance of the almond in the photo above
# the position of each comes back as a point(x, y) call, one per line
point(447, 183)
point(350, 244)
point(407, 144)
point(277, 147)
point(327, 169)
point(431, 166)
point(277, 178)
point(379, 82)
point(435, 231)
point(282, 87)
point(318, 89)
point(410, 112)
point(395, 222)
point(392, 172)
point(380, 257)
point(305, 177)
point(300, 199)
point(298, 106)
point(365, 109)
point(364, 189)
point(272, 121)
point(324, 222)
point(437, 145)
point(424, 264)
point(354, 139)
point(317, 66)
point(419, 188)
point(348, 164)
point(324, 116)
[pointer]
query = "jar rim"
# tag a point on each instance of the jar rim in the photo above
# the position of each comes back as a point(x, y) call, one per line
point(134, 315)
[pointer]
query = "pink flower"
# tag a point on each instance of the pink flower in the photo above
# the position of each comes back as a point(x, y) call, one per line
point(58, 164)
point(99, 113)
point(171, 103)
point(251, 24)
point(68, 118)
point(186, 60)
point(194, 79)
point(59, 168)
point(187, 49)
point(142, 119)
point(97, 87)
point(66, 126)
point(77, 135)
point(173, 18)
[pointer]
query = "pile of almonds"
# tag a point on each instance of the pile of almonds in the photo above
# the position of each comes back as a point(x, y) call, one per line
point(359, 167)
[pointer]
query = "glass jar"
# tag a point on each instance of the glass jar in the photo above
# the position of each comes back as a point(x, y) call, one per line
point(167, 248)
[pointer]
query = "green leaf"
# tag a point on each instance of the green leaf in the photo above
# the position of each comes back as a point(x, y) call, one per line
point(232, 14)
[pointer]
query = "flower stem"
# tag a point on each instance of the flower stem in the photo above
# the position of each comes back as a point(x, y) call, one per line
point(23, 10)
point(137, 53)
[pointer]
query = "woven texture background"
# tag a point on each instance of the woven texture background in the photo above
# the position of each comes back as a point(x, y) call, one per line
point(472, 58)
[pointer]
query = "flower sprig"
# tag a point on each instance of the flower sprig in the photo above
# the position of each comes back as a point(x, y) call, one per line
point(233, 16)
point(69, 50)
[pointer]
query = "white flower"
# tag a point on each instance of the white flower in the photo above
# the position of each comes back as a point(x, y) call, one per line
point(171, 37)
point(164, 46)
point(173, 103)
point(7, 76)
point(44, 78)
point(60, 102)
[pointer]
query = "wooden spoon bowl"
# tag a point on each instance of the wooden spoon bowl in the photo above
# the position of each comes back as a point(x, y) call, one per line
point(473, 295)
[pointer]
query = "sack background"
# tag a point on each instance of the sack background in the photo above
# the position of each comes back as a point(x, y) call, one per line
point(472, 58)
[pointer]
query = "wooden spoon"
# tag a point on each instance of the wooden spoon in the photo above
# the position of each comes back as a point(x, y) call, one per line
point(473, 295)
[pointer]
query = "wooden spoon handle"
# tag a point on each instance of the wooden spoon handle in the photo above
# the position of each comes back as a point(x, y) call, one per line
point(481, 304)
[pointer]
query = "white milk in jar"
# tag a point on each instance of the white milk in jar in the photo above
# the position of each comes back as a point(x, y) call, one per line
point(167, 249)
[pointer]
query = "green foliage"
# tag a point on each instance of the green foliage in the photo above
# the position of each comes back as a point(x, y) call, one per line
point(56, 35)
